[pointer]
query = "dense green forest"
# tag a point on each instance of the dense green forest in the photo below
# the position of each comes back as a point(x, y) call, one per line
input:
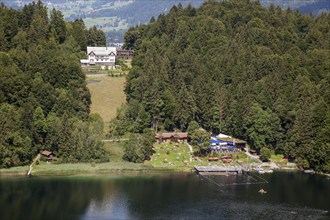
point(44, 101)
point(238, 68)
point(114, 17)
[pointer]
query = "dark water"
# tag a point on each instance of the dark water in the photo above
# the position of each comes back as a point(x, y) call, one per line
point(179, 196)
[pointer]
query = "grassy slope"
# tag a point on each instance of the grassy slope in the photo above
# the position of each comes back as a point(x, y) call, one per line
point(90, 22)
point(107, 95)
point(174, 155)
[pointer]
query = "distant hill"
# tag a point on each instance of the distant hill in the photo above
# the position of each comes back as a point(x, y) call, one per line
point(116, 16)
point(316, 7)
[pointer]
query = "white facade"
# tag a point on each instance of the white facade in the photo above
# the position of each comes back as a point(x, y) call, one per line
point(100, 56)
point(223, 136)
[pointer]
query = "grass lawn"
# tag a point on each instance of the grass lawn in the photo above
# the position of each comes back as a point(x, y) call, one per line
point(77, 168)
point(277, 157)
point(107, 95)
point(15, 170)
point(174, 155)
point(170, 155)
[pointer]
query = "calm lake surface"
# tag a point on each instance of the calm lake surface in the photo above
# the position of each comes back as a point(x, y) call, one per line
point(171, 196)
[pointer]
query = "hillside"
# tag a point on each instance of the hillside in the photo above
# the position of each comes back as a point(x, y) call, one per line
point(44, 100)
point(235, 67)
point(107, 95)
point(116, 16)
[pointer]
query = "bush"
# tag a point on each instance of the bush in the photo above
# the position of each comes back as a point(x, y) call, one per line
point(57, 160)
point(43, 159)
point(241, 155)
point(302, 163)
point(265, 154)
point(214, 154)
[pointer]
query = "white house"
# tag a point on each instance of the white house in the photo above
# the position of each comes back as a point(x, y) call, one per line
point(100, 56)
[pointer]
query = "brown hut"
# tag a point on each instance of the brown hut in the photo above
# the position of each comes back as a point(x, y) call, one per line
point(167, 137)
point(48, 155)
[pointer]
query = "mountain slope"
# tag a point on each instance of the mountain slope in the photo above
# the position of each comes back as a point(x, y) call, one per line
point(116, 16)
point(235, 67)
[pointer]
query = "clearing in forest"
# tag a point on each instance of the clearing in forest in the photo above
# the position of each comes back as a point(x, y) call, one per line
point(107, 95)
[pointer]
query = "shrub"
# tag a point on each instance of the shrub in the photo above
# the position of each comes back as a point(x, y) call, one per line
point(265, 154)
point(302, 163)
point(214, 154)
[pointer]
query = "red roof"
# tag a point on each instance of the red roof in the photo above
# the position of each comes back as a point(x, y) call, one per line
point(167, 135)
point(46, 153)
point(182, 134)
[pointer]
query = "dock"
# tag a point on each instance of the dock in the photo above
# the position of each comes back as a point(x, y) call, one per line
point(214, 170)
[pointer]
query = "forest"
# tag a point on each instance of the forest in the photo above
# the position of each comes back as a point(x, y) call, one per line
point(44, 101)
point(135, 12)
point(235, 67)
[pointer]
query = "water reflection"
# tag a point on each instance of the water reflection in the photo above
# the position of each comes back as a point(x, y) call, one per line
point(289, 196)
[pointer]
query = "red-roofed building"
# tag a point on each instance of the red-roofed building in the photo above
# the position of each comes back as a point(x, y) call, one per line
point(172, 137)
point(49, 155)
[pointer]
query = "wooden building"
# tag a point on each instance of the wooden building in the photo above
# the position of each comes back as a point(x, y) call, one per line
point(48, 155)
point(239, 144)
point(177, 137)
point(125, 54)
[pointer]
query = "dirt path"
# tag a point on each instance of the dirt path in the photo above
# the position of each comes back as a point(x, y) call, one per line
point(32, 164)
point(191, 151)
point(96, 75)
point(249, 154)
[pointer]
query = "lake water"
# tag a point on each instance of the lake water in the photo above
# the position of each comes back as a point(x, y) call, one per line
point(170, 196)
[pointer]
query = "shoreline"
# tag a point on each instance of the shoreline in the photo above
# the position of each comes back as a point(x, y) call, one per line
point(117, 168)
point(85, 168)
point(75, 169)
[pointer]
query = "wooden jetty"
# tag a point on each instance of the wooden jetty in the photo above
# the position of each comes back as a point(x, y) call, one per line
point(218, 170)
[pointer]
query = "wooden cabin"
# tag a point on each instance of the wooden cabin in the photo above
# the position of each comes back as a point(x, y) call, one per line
point(125, 54)
point(48, 155)
point(176, 137)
